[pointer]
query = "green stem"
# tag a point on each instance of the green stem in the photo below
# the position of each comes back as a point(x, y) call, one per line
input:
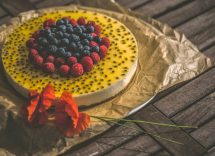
point(147, 122)
point(140, 130)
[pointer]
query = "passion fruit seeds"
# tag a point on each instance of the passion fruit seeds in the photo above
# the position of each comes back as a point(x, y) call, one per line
point(67, 46)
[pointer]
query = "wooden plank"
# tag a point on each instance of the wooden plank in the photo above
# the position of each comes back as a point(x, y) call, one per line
point(185, 96)
point(186, 12)
point(190, 147)
point(211, 152)
point(161, 153)
point(141, 145)
point(108, 141)
point(157, 7)
point(4, 20)
point(15, 7)
point(49, 3)
point(205, 38)
point(199, 113)
point(210, 52)
point(198, 24)
point(133, 4)
point(205, 134)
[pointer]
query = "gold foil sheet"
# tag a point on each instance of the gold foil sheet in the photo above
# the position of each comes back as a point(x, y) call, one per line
point(166, 58)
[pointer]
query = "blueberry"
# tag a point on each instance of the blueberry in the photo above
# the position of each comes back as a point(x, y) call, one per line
point(89, 37)
point(66, 35)
point(59, 34)
point(97, 39)
point(80, 47)
point(40, 48)
point(61, 51)
point(53, 40)
point(43, 41)
point(78, 55)
point(95, 49)
point(90, 29)
point(59, 22)
point(86, 52)
point(52, 48)
point(82, 28)
point(83, 35)
point(67, 54)
point(85, 42)
point(69, 30)
point(86, 48)
point(77, 30)
point(53, 30)
point(64, 42)
point(73, 46)
point(74, 37)
point(65, 21)
point(68, 25)
point(62, 28)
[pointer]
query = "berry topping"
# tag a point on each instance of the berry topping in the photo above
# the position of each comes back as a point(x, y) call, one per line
point(49, 67)
point(77, 70)
point(105, 41)
point(95, 57)
point(67, 43)
point(103, 51)
point(72, 60)
point(81, 21)
point(50, 58)
point(87, 63)
point(64, 70)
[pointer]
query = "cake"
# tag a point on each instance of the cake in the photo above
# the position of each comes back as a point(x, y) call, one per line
point(96, 73)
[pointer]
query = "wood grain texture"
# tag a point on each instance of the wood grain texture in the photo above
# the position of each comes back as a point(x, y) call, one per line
point(190, 93)
point(14, 7)
point(186, 12)
point(132, 4)
point(190, 147)
point(49, 3)
point(161, 153)
point(2, 12)
point(157, 7)
point(198, 24)
point(210, 52)
point(141, 145)
point(5, 19)
point(198, 113)
point(108, 141)
point(205, 134)
point(211, 152)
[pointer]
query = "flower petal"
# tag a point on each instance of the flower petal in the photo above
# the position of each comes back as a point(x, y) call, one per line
point(71, 107)
point(32, 105)
point(47, 96)
point(83, 123)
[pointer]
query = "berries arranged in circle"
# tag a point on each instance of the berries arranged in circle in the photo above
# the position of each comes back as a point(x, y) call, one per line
point(67, 46)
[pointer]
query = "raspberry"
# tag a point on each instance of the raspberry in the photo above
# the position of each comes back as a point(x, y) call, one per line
point(49, 67)
point(32, 54)
point(36, 34)
point(81, 21)
point(95, 57)
point(103, 51)
point(87, 63)
point(105, 41)
point(38, 60)
point(48, 23)
point(97, 29)
point(30, 43)
point(73, 22)
point(50, 59)
point(72, 60)
point(94, 35)
point(77, 69)
point(64, 70)
point(59, 61)
point(93, 44)
point(91, 23)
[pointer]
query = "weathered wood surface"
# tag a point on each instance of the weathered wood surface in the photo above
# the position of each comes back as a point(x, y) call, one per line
point(192, 102)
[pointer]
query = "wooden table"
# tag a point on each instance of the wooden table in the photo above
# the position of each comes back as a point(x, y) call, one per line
point(191, 103)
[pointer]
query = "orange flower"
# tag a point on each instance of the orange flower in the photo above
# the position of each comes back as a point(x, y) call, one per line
point(36, 109)
point(68, 120)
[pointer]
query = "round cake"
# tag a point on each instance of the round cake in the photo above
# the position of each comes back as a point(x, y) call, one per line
point(87, 53)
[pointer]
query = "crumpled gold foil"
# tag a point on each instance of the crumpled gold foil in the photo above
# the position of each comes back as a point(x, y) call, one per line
point(166, 58)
